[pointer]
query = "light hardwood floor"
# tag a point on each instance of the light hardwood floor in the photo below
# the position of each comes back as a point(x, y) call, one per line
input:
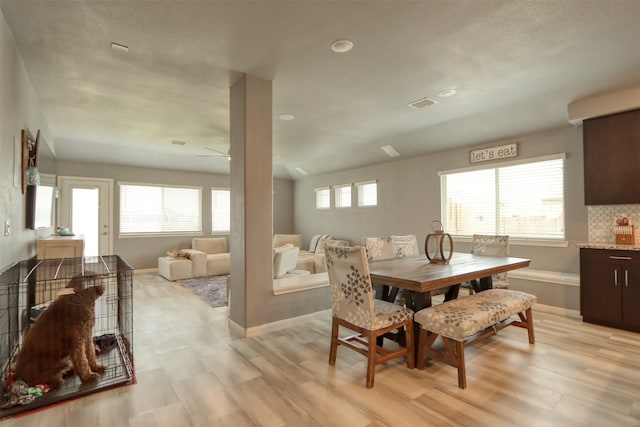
point(191, 372)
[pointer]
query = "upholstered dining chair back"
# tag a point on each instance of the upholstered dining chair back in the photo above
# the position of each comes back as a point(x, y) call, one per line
point(490, 245)
point(351, 290)
point(354, 308)
point(390, 247)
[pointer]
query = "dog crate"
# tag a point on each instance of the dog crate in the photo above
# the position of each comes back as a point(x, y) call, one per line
point(27, 289)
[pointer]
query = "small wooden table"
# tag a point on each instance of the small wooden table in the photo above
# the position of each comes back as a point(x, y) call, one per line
point(419, 277)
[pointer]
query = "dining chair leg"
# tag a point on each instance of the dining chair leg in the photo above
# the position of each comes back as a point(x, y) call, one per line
point(372, 356)
point(334, 341)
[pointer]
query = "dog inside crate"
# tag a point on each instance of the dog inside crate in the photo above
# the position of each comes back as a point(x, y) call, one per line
point(70, 336)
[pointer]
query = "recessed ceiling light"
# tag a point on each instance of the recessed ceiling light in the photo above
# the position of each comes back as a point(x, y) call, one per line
point(301, 171)
point(120, 47)
point(286, 116)
point(391, 152)
point(444, 93)
point(342, 45)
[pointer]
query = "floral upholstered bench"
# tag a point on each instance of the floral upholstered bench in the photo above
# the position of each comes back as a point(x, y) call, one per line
point(465, 321)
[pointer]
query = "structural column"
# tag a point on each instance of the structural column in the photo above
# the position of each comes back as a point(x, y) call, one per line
point(251, 201)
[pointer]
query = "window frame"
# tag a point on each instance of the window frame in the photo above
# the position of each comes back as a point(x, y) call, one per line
point(360, 186)
point(513, 239)
point(342, 201)
point(326, 191)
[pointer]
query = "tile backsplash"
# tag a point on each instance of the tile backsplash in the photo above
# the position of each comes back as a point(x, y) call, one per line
point(602, 219)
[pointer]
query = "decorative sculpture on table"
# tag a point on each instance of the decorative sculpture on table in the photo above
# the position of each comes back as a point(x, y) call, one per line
point(438, 246)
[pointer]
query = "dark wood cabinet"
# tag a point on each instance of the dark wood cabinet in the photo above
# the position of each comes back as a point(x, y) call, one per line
point(612, 159)
point(610, 287)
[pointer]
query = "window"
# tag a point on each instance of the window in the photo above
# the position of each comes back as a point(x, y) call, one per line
point(367, 193)
point(343, 195)
point(148, 209)
point(44, 201)
point(323, 198)
point(523, 200)
point(220, 210)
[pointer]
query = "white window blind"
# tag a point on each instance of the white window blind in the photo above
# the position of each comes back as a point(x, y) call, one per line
point(220, 210)
point(343, 195)
point(323, 198)
point(44, 201)
point(367, 193)
point(523, 200)
point(148, 209)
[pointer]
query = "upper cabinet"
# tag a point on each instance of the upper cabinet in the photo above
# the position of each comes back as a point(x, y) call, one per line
point(612, 159)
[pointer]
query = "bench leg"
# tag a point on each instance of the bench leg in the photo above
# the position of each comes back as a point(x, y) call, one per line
point(529, 322)
point(462, 371)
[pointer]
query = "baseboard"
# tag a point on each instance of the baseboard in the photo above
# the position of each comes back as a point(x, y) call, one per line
point(145, 271)
point(560, 311)
point(238, 330)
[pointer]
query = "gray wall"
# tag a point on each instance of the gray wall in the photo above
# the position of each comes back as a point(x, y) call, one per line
point(409, 199)
point(18, 109)
point(143, 252)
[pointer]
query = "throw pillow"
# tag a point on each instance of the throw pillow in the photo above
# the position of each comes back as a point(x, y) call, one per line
point(317, 242)
point(284, 260)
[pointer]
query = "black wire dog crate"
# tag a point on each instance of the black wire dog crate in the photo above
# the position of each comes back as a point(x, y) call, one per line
point(26, 291)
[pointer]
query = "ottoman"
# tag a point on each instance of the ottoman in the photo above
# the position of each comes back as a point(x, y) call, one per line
point(174, 268)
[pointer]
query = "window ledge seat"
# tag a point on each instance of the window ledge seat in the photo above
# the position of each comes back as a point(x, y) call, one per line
point(287, 285)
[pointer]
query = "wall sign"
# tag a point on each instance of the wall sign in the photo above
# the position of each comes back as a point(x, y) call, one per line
point(493, 153)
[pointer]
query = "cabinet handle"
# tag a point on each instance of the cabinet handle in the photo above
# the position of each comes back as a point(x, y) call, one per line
point(621, 257)
point(626, 277)
point(615, 277)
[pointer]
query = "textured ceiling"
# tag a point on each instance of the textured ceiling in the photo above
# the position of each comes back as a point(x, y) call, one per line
point(516, 65)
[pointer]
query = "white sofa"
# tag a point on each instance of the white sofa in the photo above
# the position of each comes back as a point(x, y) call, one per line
point(208, 256)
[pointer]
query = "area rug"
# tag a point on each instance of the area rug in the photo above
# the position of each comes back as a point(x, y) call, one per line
point(211, 289)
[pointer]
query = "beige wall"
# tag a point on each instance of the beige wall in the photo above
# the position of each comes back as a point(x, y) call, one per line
point(18, 109)
point(409, 198)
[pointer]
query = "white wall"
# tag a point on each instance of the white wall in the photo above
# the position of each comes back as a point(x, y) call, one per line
point(409, 199)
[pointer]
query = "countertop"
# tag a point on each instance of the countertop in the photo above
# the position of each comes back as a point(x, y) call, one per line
point(612, 246)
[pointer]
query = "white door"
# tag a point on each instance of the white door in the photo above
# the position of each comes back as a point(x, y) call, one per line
point(85, 207)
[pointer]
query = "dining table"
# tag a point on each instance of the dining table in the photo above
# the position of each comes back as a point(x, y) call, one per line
point(417, 277)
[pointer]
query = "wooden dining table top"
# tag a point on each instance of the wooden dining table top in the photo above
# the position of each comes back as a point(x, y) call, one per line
point(419, 275)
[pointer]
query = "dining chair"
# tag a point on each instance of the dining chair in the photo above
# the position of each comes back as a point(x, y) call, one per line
point(355, 308)
point(489, 245)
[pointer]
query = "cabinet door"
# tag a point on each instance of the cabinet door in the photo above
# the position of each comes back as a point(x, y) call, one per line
point(631, 297)
point(612, 159)
point(600, 297)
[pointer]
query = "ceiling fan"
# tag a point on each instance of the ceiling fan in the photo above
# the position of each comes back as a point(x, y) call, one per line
point(216, 153)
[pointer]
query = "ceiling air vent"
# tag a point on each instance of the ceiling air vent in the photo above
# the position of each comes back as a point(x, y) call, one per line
point(422, 103)
point(175, 142)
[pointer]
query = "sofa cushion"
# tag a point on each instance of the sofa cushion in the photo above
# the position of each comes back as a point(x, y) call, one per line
point(284, 260)
point(210, 245)
point(218, 264)
point(282, 239)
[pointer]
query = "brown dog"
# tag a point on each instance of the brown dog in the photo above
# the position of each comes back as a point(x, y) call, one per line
point(62, 339)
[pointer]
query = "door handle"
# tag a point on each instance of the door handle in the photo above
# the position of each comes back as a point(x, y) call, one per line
point(626, 258)
point(626, 277)
point(615, 277)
